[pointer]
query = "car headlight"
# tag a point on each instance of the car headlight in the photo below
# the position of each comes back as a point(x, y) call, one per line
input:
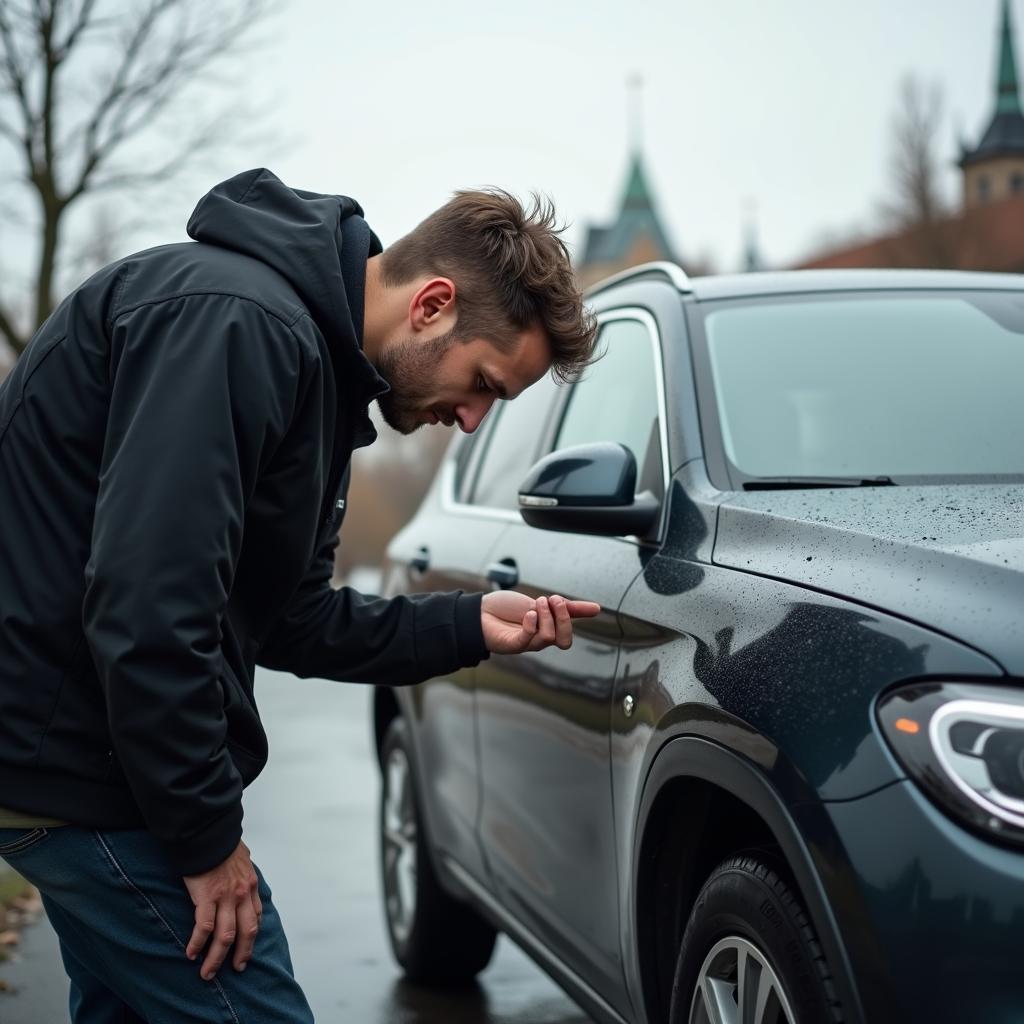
point(964, 744)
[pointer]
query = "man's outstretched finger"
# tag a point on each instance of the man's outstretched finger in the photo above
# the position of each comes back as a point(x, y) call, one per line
point(563, 622)
point(583, 609)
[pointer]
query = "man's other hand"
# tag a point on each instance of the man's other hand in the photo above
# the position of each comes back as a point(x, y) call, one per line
point(228, 908)
point(514, 623)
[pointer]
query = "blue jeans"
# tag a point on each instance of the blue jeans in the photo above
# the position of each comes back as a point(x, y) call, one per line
point(123, 917)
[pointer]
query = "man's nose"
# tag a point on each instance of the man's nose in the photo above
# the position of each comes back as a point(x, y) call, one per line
point(471, 414)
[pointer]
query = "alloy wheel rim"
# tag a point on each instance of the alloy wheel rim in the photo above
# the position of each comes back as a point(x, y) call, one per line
point(399, 840)
point(738, 985)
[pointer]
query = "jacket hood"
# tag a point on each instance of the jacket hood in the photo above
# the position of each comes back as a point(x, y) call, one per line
point(318, 243)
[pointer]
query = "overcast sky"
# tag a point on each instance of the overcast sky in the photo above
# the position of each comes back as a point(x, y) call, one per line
point(787, 103)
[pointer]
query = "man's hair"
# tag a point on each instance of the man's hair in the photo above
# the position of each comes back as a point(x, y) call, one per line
point(511, 271)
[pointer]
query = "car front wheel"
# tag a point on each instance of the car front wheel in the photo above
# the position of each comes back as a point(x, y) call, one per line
point(749, 954)
point(436, 939)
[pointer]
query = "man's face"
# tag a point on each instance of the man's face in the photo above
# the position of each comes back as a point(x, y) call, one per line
point(442, 380)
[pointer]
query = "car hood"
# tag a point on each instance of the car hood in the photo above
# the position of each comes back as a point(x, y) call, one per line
point(950, 557)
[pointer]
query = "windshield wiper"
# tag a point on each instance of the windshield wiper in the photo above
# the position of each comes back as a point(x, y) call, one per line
point(796, 483)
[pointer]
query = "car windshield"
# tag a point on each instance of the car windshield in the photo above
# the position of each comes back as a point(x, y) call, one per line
point(870, 385)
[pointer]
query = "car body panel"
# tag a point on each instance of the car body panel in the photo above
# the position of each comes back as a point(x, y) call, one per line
point(546, 817)
point(778, 675)
point(945, 910)
point(951, 556)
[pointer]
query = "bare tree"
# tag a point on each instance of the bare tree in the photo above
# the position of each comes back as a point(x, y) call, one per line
point(80, 82)
point(916, 207)
point(917, 196)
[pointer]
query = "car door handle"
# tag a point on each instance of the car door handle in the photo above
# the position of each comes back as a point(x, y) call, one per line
point(505, 573)
point(421, 560)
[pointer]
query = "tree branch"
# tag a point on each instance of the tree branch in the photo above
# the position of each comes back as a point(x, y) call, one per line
point(107, 106)
point(10, 133)
point(167, 169)
point(70, 125)
point(50, 64)
point(141, 89)
point(80, 25)
point(16, 78)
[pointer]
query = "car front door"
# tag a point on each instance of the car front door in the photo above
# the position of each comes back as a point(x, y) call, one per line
point(543, 719)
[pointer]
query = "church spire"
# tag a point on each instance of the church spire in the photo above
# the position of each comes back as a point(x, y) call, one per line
point(1007, 94)
point(637, 195)
point(635, 84)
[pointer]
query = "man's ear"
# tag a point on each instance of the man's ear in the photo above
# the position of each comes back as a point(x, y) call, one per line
point(432, 302)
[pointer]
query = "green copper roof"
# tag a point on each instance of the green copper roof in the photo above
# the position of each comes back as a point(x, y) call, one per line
point(1007, 97)
point(638, 195)
point(637, 220)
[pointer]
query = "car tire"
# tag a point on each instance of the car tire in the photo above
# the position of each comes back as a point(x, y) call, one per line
point(438, 940)
point(748, 923)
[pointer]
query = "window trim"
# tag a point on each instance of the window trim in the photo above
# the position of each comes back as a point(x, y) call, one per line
point(646, 319)
point(454, 506)
point(480, 444)
point(451, 501)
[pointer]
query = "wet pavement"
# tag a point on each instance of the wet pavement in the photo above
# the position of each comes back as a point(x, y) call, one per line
point(310, 821)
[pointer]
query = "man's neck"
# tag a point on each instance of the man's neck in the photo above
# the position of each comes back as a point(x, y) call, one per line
point(384, 309)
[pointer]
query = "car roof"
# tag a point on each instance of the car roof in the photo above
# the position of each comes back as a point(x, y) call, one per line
point(785, 282)
point(792, 281)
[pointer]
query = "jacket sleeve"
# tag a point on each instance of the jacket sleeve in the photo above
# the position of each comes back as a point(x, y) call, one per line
point(350, 637)
point(202, 389)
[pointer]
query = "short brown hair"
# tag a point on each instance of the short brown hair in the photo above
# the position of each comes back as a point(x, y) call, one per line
point(511, 270)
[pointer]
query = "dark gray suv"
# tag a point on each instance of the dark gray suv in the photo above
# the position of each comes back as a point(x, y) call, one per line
point(781, 776)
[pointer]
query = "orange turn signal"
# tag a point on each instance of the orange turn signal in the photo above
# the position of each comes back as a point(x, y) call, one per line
point(907, 725)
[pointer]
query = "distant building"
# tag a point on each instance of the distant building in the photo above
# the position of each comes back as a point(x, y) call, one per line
point(994, 169)
point(988, 232)
point(752, 260)
point(636, 235)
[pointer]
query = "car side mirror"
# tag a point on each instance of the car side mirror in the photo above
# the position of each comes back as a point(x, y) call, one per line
point(588, 488)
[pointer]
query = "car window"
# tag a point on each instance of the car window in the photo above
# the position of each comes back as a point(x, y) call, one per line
point(912, 385)
point(618, 398)
point(511, 447)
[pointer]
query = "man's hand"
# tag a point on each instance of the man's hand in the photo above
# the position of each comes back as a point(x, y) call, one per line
point(228, 908)
point(514, 623)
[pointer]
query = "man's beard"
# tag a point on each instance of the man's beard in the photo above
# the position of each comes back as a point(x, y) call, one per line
point(410, 367)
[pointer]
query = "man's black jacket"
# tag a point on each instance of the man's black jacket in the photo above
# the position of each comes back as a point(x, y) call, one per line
point(173, 443)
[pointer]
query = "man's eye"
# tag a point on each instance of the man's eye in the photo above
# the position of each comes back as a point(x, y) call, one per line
point(482, 385)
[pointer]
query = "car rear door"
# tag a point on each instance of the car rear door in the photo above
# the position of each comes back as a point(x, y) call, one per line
point(543, 719)
point(448, 546)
